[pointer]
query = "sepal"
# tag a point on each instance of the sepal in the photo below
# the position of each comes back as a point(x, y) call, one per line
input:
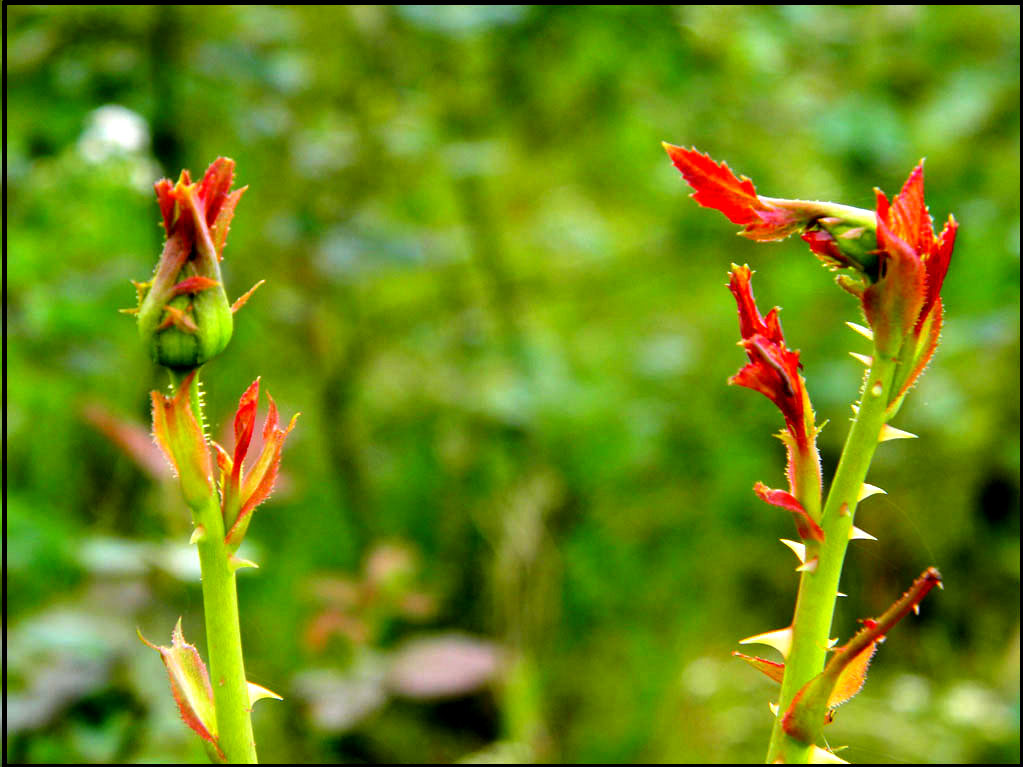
point(190, 685)
point(178, 433)
point(242, 491)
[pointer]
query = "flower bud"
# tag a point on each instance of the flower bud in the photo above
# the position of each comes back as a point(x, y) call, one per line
point(844, 244)
point(184, 316)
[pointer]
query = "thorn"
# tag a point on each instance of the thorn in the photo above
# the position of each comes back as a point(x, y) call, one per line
point(865, 332)
point(855, 409)
point(840, 594)
point(868, 490)
point(780, 640)
point(832, 642)
point(890, 432)
point(799, 549)
point(855, 534)
point(823, 756)
point(199, 534)
point(808, 567)
point(237, 563)
point(866, 359)
point(128, 311)
point(916, 609)
point(774, 708)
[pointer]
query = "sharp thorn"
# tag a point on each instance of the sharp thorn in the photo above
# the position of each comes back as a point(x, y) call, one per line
point(799, 549)
point(780, 640)
point(855, 534)
point(866, 359)
point(868, 490)
point(865, 332)
point(808, 567)
point(889, 432)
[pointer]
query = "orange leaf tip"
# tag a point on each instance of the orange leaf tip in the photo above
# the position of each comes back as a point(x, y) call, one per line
point(889, 432)
point(868, 490)
point(780, 640)
point(242, 299)
point(799, 549)
point(770, 669)
point(865, 332)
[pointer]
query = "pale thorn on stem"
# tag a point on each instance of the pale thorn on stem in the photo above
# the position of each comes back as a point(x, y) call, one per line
point(808, 567)
point(780, 640)
point(855, 534)
point(799, 549)
point(865, 332)
point(890, 432)
point(868, 490)
point(866, 359)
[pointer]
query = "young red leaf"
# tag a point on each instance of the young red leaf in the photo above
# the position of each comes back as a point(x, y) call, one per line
point(775, 671)
point(806, 527)
point(243, 490)
point(844, 674)
point(190, 685)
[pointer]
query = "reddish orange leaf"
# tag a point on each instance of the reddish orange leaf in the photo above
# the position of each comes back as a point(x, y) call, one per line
point(774, 670)
point(715, 185)
point(806, 527)
point(853, 676)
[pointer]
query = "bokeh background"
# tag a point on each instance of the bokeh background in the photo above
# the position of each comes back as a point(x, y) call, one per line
point(516, 520)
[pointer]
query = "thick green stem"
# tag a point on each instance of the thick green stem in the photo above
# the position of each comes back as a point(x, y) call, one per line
point(223, 630)
point(815, 605)
point(224, 640)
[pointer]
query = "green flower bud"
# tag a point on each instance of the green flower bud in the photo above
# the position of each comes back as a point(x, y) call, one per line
point(184, 316)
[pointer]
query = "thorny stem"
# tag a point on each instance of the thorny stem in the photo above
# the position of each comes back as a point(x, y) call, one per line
point(223, 630)
point(818, 590)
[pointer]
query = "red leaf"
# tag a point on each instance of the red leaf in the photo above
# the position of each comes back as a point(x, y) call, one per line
point(805, 525)
point(715, 185)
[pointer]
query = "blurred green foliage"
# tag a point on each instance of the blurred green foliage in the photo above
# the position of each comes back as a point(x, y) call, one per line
point(506, 327)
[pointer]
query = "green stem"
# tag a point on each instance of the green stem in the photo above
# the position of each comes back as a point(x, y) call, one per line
point(815, 605)
point(223, 629)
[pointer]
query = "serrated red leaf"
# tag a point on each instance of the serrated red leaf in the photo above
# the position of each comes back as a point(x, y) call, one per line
point(715, 185)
